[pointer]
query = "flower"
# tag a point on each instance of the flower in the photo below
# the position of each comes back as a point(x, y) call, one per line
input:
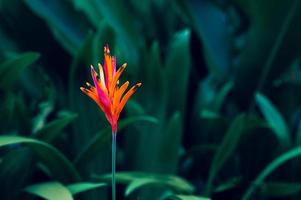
point(110, 98)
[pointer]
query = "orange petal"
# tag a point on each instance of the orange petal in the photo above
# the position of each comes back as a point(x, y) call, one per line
point(118, 94)
point(116, 77)
point(108, 66)
point(126, 97)
point(94, 97)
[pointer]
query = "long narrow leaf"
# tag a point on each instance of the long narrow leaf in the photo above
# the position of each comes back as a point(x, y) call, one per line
point(60, 167)
point(274, 119)
point(270, 168)
point(227, 147)
point(77, 188)
point(50, 191)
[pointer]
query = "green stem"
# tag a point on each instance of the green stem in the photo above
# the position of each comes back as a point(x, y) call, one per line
point(114, 135)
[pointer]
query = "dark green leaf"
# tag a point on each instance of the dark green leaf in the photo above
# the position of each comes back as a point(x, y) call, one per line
point(38, 121)
point(229, 184)
point(51, 130)
point(229, 143)
point(90, 9)
point(69, 28)
point(170, 144)
point(136, 180)
point(12, 167)
point(280, 189)
point(101, 139)
point(271, 167)
point(177, 71)
point(274, 119)
point(10, 70)
point(60, 167)
point(213, 33)
point(221, 96)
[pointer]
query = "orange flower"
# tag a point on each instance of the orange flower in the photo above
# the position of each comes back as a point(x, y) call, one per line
point(106, 93)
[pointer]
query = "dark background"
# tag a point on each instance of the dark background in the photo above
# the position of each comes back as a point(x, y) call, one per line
point(218, 114)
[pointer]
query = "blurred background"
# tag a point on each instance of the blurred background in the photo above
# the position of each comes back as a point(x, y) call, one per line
point(218, 114)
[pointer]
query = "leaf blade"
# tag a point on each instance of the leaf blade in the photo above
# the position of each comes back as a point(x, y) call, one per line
point(57, 163)
point(50, 191)
point(274, 119)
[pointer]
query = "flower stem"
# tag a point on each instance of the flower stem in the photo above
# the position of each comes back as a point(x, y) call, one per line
point(114, 135)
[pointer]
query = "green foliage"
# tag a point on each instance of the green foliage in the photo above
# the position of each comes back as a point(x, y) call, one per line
point(56, 190)
point(50, 190)
point(186, 197)
point(217, 115)
point(58, 165)
point(270, 168)
point(77, 188)
point(136, 180)
point(280, 189)
point(274, 119)
point(101, 139)
point(11, 68)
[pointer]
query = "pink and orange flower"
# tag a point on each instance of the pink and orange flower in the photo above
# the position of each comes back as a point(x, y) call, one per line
point(106, 92)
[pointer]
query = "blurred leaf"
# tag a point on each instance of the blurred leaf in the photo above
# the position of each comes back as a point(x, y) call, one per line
point(271, 167)
point(76, 188)
point(177, 70)
point(7, 106)
point(280, 189)
point(101, 139)
point(186, 197)
point(274, 119)
point(261, 50)
point(118, 15)
point(213, 33)
point(221, 96)
point(90, 9)
point(136, 180)
point(61, 168)
point(227, 147)
point(50, 190)
point(11, 69)
point(137, 184)
point(38, 122)
point(208, 114)
point(170, 144)
point(51, 130)
point(153, 83)
point(12, 167)
point(298, 133)
point(68, 27)
point(229, 184)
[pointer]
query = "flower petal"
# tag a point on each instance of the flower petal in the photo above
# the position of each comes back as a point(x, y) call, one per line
point(94, 97)
point(114, 64)
point(115, 79)
point(101, 75)
point(118, 94)
point(100, 93)
point(126, 97)
point(108, 66)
